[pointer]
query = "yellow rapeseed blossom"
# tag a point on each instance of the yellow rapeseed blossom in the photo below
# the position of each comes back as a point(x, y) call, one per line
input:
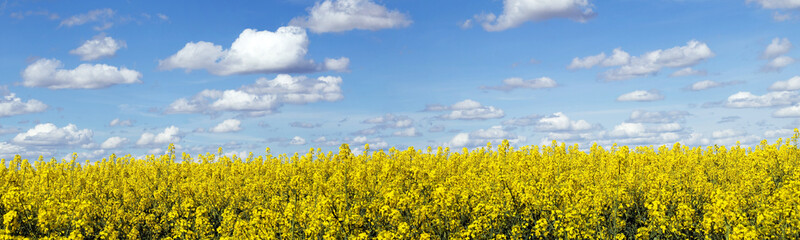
point(494, 192)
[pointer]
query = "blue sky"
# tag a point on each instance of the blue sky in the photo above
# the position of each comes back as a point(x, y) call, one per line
point(133, 76)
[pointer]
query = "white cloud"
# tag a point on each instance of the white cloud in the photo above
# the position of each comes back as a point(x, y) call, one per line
point(791, 111)
point(8, 150)
point(517, 83)
point(408, 132)
point(297, 140)
point(641, 96)
point(642, 116)
point(252, 52)
point(707, 84)
point(788, 85)
point(777, 64)
point(48, 134)
point(779, 133)
point(652, 62)
point(121, 123)
point(98, 47)
point(628, 130)
point(391, 121)
point(560, 122)
point(778, 47)
point(468, 110)
point(339, 65)
point(748, 100)
point(11, 105)
point(726, 133)
point(374, 143)
point(264, 96)
point(688, 72)
point(480, 137)
point(91, 16)
point(346, 15)
point(777, 4)
point(587, 62)
point(169, 135)
point(113, 142)
point(49, 73)
point(229, 125)
point(617, 58)
point(517, 12)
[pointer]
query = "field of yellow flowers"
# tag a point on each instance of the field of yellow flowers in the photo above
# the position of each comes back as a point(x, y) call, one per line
point(500, 192)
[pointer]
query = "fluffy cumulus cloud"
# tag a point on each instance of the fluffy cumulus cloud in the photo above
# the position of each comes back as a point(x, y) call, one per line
point(11, 105)
point(560, 122)
point(480, 137)
point(296, 140)
point(262, 97)
point(749, 100)
point(48, 134)
point(643, 116)
point(778, 47)
point(641, 96)
point(170, 134)
point(346, 15)
point(788, 85)
point(791, 111)
point(229, 125)
point(339, 64)
point(49, 73)
point(98, 47)
point(467, 110)
point(775, 54)
point(707, 84)
point(648, 63)
point(777, 64)
point(683, 72)
point(618, 57)
point(517, 12)
point(253, 51)
point(113, 142)
point(519, 83)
